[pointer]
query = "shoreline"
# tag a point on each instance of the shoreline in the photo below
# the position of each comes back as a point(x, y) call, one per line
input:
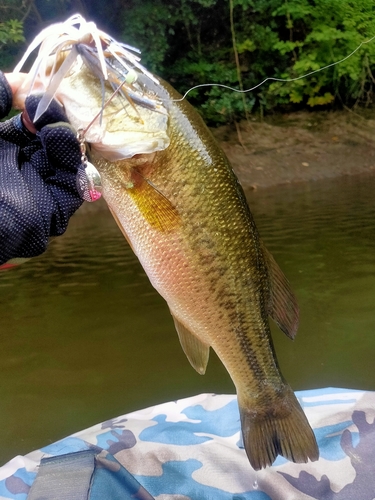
point(295, 148)
point(299, 147)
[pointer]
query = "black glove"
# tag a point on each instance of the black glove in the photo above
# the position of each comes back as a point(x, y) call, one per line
point(38, 178)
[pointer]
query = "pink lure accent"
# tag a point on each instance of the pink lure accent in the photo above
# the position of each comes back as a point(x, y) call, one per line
point(94, 195)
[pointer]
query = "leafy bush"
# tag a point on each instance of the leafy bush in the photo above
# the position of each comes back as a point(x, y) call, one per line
point(191, 42)
point(320, 34)
point(11, 35)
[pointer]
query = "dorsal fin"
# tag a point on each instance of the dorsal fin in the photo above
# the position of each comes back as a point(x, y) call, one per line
point(282, 306)
point(196, 351)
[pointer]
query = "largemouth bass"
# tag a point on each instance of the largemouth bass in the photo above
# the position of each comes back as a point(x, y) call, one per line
point(186, 217)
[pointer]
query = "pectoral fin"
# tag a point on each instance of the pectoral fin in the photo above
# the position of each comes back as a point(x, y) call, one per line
point(282, 307)
point(159, 212)
point(196, 351)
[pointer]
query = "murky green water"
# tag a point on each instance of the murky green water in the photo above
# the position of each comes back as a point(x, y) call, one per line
point(84, 337)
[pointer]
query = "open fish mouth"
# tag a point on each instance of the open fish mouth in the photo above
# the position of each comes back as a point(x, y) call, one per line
point(101, 84)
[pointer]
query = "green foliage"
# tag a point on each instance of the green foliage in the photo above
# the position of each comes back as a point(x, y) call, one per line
point(11, 32)
point(11, 35)
point(320, 34)
point(21, 20)
point(189, 43)
point(196, 49)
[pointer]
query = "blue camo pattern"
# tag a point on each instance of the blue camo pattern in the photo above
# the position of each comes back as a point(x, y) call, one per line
point(206, 423)
point(191, 448)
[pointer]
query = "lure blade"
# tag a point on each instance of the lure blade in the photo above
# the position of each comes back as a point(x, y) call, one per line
point(94, 182)
point(89, 183)
point(55, 82)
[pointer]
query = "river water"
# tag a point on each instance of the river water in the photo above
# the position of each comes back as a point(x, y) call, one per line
point(84, 336)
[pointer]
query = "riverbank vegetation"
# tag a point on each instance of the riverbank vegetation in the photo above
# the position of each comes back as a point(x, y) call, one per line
point(238, 43)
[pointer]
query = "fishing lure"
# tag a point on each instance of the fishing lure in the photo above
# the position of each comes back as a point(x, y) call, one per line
point(73, 57)
point(91, 187)
point(97, 49)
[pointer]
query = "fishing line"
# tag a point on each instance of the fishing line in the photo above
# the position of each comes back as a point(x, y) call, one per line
point(273, 79)
point(239, 91)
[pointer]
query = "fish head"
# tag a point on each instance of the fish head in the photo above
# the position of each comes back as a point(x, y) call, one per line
point(102, 87)
point(116, 126)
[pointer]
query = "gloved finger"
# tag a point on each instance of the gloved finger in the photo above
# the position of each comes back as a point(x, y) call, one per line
point(53, 114)
point(14, 132)
point(5, 96)
point(61, 146)
point(63, 153)
point(83, 186)
point(24, 230)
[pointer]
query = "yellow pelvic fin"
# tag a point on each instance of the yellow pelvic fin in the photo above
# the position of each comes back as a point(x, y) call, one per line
point(196, 351)
point(159, 212)
point(282, 307)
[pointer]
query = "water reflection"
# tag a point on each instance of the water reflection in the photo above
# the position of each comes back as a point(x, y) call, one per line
point(323, 237)
point(85, 337)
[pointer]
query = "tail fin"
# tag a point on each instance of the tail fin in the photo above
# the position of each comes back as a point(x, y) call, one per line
point(283, 431)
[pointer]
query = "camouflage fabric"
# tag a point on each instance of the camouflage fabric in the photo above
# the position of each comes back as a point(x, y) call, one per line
point(191, 449)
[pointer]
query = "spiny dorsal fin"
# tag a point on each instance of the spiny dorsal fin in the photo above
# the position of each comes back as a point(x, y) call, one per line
point(196, 351)
point(283, 307)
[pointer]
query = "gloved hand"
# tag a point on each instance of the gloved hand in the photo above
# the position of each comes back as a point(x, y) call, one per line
point(38, 177)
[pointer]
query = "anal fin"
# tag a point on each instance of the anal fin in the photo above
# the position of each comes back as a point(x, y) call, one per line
point(196, 351)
